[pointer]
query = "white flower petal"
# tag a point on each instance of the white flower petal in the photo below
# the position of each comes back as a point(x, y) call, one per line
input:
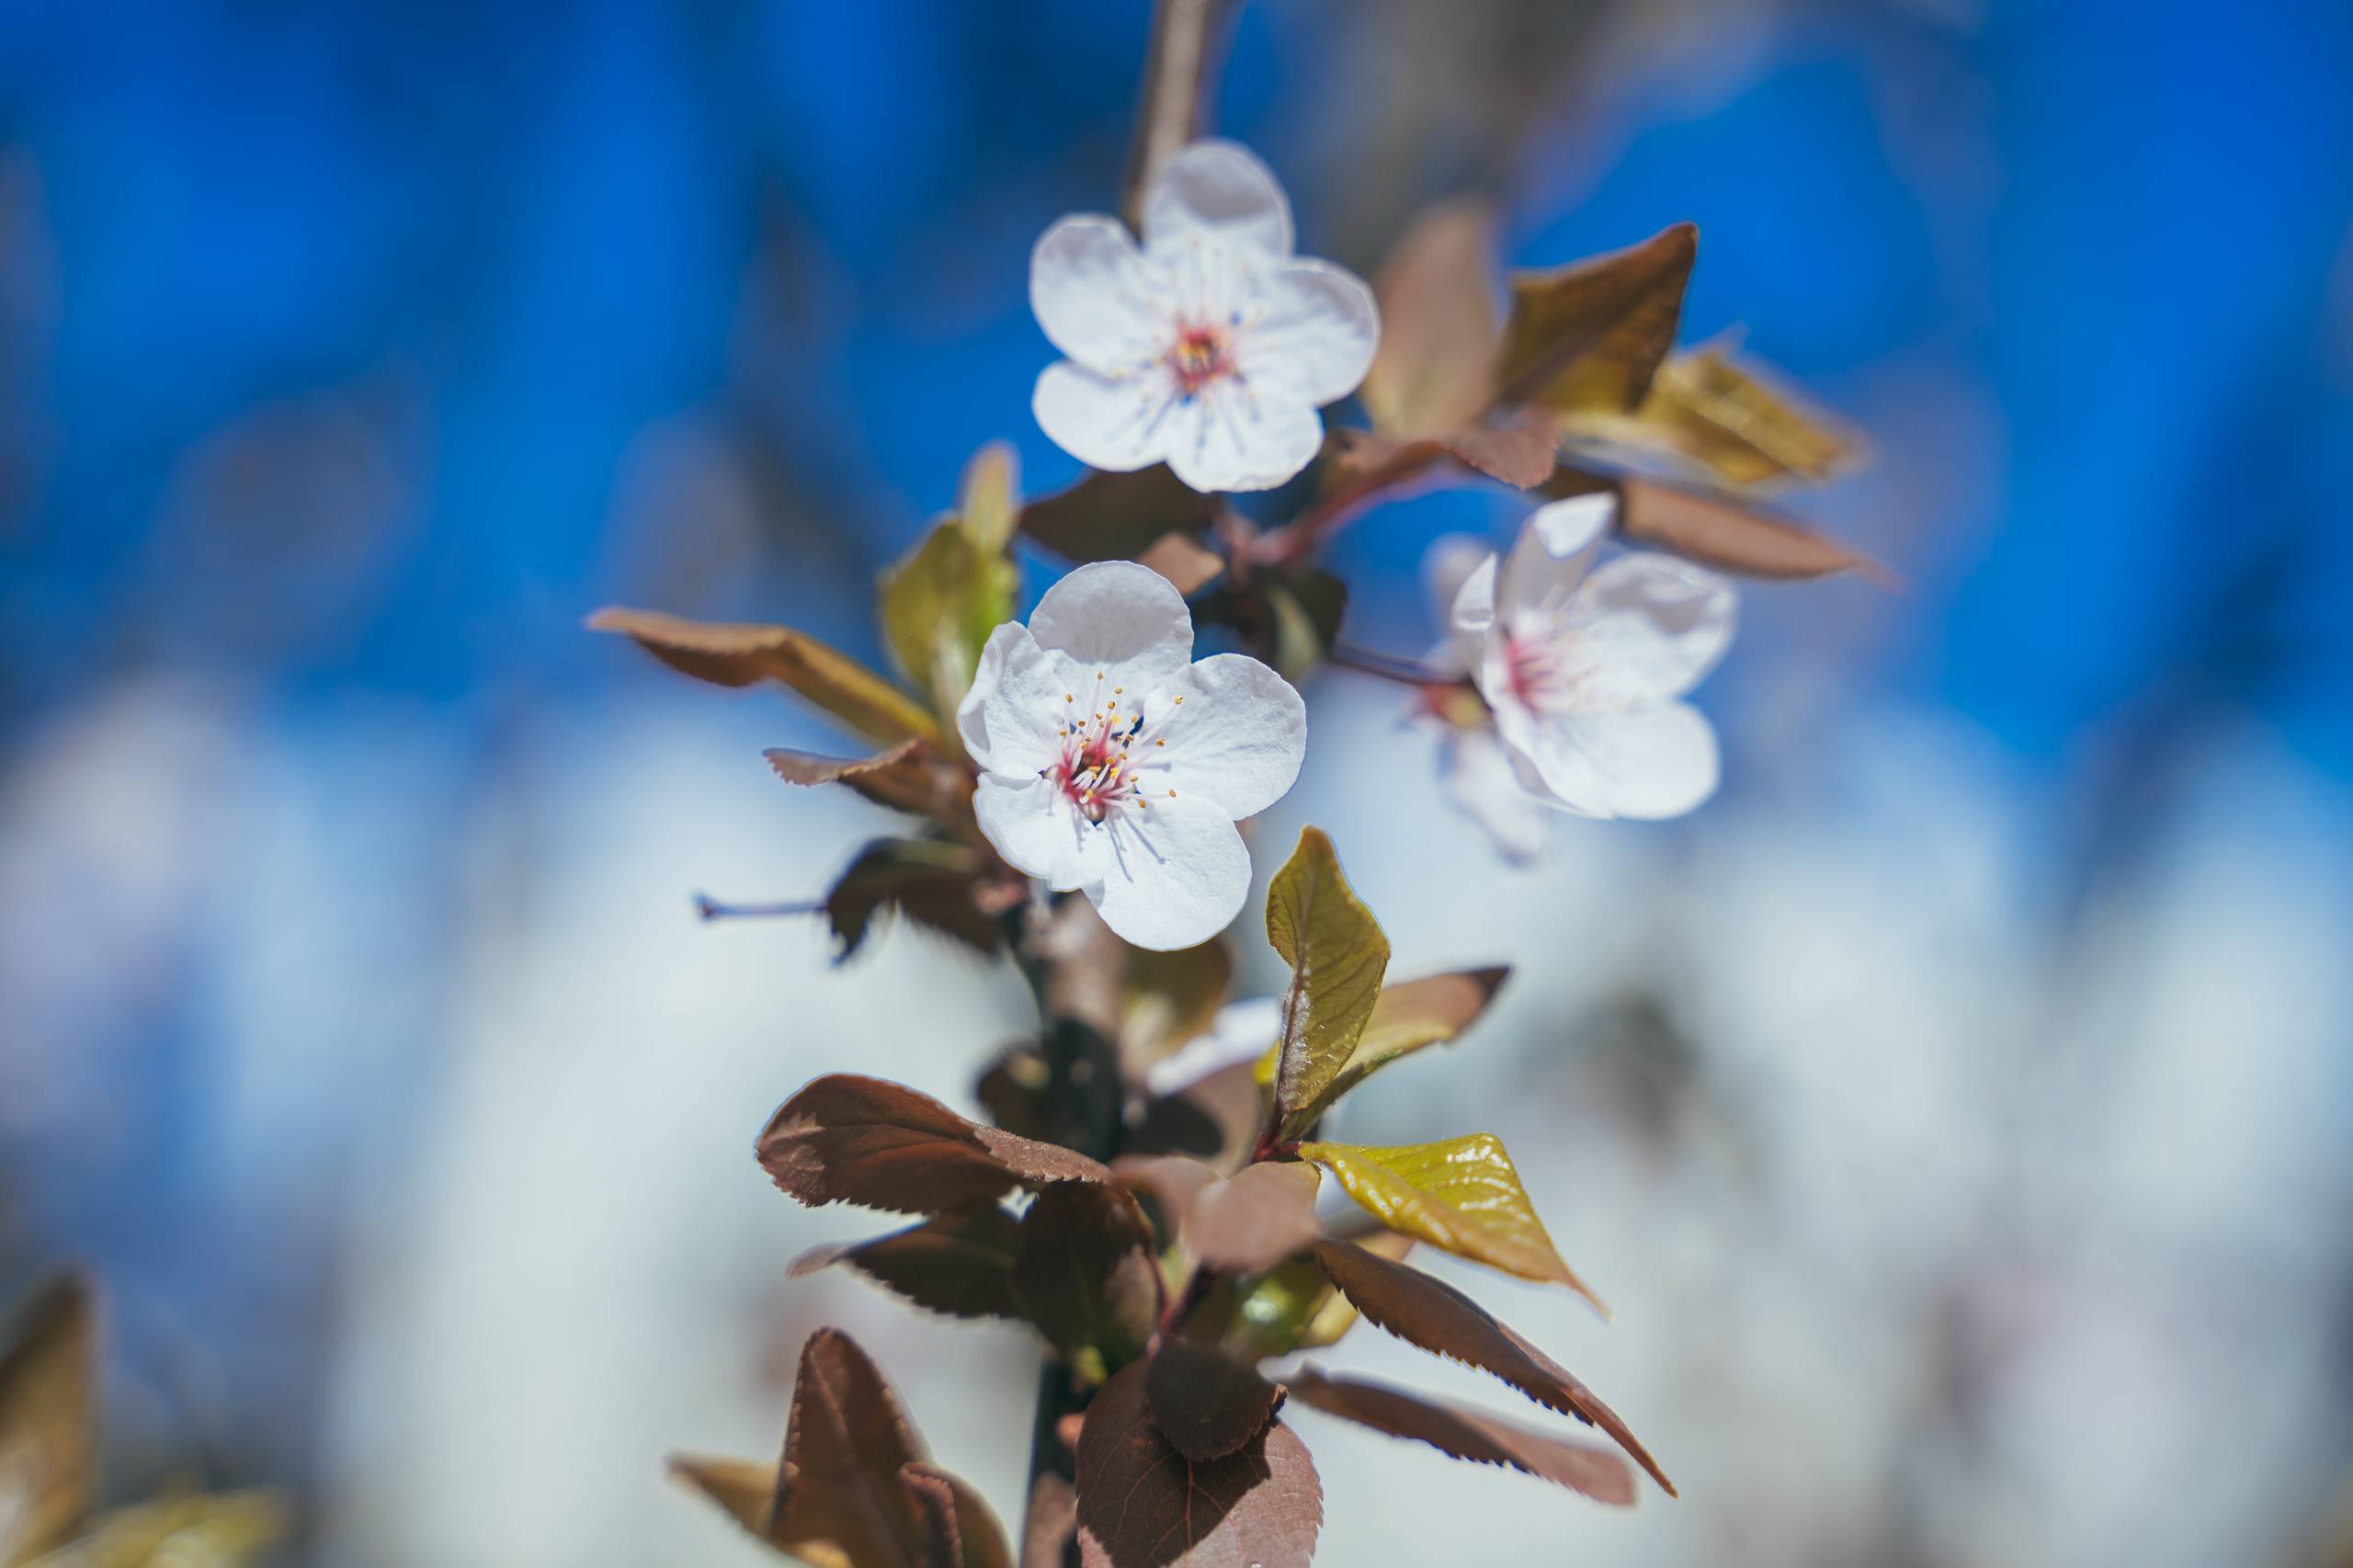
point(1660, 762)
point(1234, 438)
point(1473, 612)
point(1093, 296)
point(1555, 550)
point(1117, 613)
point(1315, 331)
point(1118, 425)
point(1216, 192)
point(1481, 780)
point(1648, 762)
point(1037, 830)
point(1644, 628)
point(1176, 874)
point(1010, 719)
point(1237, 739)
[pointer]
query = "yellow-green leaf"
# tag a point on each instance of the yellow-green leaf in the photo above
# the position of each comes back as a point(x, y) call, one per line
point(988, 502)
point(938, 605)
point(1591, 335)
point(223, 1530)
point(1292, 1306)
point(732, 653)
point(1418, 1013)
point(1337, 953)
point(48, 1417)
point(1739, 425)
point(1461, 1195)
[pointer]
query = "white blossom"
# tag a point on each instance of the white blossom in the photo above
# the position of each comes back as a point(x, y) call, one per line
point(1209, 346)
point(1114, 764)
point(1583, 668)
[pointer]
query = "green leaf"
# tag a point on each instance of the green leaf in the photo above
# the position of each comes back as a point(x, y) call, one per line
point(1461, 1195)
point(217, 1529)
point(1407, 1017)
point(1292, 1306)
point(938, 605)
point(1591, 335)
point(729, 654)
point(1337, 953)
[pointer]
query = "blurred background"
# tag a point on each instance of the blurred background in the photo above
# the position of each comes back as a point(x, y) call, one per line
point(1958, 1111)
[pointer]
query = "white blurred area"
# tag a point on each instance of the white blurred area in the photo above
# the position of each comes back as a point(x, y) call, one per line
point(1960, 1204)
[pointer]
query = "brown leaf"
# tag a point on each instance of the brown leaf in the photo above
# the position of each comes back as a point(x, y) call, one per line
point(941, 887)
point(1085, 1277)
point(745, 1489)
point(1142, 1504)
point(1435, 370)
point(49, 1368)
point(1591, 335)
point(729, 653)
point(847, 1138)
point(1292, 1306)
point(957, 1263)
point(904, 778)
point(1171, 1181)
point(1116, 517)
point(1442, 1319)
point(1170, 999)
point(1727, 534)
point(1469, 1435)
point(1206, 1402)
point(1217, 1118)
point(1521, 452)
point(1256, 1218)
point(840, 1487)
point(1189, 565)
point(960, 1515)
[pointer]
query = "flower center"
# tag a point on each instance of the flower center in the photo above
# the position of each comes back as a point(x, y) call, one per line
point(1200, 355)
point(1107, 754)
point(1538, 673)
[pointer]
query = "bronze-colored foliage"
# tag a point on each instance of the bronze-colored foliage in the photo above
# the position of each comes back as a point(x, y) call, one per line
point(48, 1417)
point(1142, 1504)
point(732, 653)
point(1442, 1319)
point(1337, 954)
point(1727, 533)
point(1732, 422)
point(1256, 1218)
point(942, 887)
point(906, 778)
point(1207, 1403)
point(958, 1264)
point(1292, 1306)
point(1591, 335)
point(1435, 371)
point(1469, 1435)
point(849, 1139)
point(1117, 517)
point(1084, 1273)
point(1460, 1194)
point(856, 1488)
point(1188, 564)
point(1217, 1118)
point(1169, 998)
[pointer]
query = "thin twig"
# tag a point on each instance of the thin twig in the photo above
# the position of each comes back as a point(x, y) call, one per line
point(1381, 666)
point(710, 908)
point(1179, 74)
